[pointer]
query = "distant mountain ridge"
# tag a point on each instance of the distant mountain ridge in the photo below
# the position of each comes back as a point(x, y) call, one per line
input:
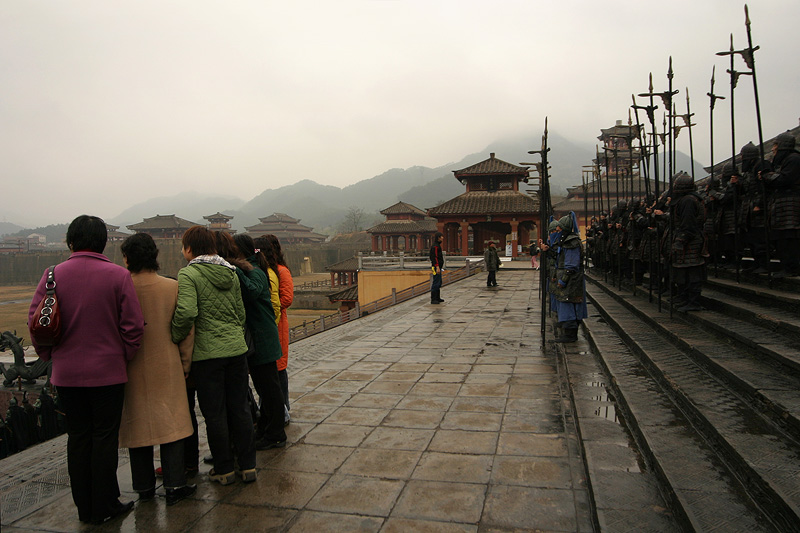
point(323, 207)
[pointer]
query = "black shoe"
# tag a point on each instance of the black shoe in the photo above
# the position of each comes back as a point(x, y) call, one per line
point(440, 300)
point(176, 495)
point(265, 444)
point(569, 335)
point(760, 270)
point(118, 510)
point(147, 495)
point(434, 302)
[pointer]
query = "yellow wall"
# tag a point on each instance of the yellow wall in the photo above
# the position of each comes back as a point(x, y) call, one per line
point(374, 285)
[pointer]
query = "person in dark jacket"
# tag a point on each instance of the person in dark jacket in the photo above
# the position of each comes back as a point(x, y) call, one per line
point(689, 249)
point(492, 261)
point(570, 286)
point(437, 265)
point(784, 212)
point(263, 326)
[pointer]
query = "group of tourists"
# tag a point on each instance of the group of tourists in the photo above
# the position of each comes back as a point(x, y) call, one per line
point(748, 211)
point(137, 348)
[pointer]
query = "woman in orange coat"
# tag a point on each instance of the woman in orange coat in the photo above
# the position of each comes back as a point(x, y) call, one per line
point(270, 246)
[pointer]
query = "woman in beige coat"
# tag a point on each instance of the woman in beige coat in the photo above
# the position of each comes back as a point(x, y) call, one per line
point(156, 410)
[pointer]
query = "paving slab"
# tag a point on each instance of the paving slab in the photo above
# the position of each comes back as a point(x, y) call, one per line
point(448, 418)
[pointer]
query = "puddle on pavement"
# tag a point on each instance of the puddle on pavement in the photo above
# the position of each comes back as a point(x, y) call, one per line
point(608, 411)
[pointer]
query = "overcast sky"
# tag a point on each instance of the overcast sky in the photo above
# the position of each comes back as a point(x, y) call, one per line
point(109, 103)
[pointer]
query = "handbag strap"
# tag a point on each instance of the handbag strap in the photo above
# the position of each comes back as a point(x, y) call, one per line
point(50, 284)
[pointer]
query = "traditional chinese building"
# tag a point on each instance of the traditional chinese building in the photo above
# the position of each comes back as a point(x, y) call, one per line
point(492, 209)
point(220, 222)
point(288, 230)
point(114, 235)
point(347, 298)
point(618, 178)
point(406, 228)
point(163, 226)
point(344, 273)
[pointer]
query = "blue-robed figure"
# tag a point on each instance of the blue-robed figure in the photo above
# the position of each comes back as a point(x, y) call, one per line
point(569, 289)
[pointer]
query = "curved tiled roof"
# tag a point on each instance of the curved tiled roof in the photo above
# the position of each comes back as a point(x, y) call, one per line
point(162, 222)
point(405, 226)
point(487, 203)
point(350, 294)
point(402, 208)
point(491, 167)
point(348, 265)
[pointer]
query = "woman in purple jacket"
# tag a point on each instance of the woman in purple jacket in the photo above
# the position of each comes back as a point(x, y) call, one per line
point(102, 327)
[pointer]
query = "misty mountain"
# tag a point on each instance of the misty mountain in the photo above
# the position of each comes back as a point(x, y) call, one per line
point(7, 228)
point(324, 207)
point(190, 205)
point(53, 232)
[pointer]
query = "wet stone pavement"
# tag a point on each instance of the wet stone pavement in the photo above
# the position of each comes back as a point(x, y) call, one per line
point(417, 418)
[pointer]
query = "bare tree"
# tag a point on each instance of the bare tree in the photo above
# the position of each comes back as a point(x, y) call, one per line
point(353, 220)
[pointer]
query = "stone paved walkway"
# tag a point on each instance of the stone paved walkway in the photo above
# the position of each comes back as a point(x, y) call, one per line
point(418, 418)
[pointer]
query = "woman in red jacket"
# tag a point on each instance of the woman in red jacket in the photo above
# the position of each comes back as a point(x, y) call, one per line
point(270, 246)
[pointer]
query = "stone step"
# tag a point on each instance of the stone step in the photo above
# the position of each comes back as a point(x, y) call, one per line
point(625, 493)
point(762, 457)
point(754, 361)
point(774, 298)
point(701, 492)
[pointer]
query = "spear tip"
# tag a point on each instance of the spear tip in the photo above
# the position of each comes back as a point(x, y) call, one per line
point(746, 16)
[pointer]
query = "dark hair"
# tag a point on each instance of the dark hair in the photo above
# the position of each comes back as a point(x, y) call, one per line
point(276, 249)
point(200, 240)
point(248, 248)
point(226, 248)
point(437, 235)
point(87, 233)
point(267, 251)
point(141, 252)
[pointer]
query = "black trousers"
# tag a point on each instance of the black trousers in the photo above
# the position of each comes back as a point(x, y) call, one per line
point(283, 375)
point(491, 279)
point(271, 404)
point(93, 417)
point(142, 467)
point(436, 286)
point(222, 387)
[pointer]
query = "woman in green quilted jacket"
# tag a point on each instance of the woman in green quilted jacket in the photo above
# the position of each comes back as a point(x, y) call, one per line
point(209, 298)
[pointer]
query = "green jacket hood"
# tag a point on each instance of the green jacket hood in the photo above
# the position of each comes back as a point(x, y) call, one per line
point(219, 276)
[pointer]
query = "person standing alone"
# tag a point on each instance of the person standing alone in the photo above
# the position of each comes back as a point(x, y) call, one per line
point(492, 261)
point(437, 265)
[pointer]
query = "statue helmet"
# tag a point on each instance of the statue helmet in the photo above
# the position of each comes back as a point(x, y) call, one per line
point(565, 223)
point(728, 171)
point(785, 141)
point(552, 226)
point(749, 151)
point(683, 183)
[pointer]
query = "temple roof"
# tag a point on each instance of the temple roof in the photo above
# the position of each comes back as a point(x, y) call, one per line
point(491, 167)
point(402, 208)
point(162, 222)
point(487, 203)
point(218, 215)
point(621, 130)
point(427, 225)
point(348, 265)
point(285, 228)
point(349, 294)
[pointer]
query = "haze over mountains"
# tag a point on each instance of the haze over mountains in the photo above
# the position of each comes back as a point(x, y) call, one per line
point(323, 207)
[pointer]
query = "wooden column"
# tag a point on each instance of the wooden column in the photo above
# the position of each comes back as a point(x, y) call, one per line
point(514, 238)
point(464, 238)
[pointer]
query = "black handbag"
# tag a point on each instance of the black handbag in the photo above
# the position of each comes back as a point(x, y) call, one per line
point(45, 326)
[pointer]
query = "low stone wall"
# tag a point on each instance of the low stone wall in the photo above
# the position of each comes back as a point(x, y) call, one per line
point(27, 268)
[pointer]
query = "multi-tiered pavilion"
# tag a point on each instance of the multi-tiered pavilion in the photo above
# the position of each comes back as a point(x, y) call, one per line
point(406, 228)
point(492, 209)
